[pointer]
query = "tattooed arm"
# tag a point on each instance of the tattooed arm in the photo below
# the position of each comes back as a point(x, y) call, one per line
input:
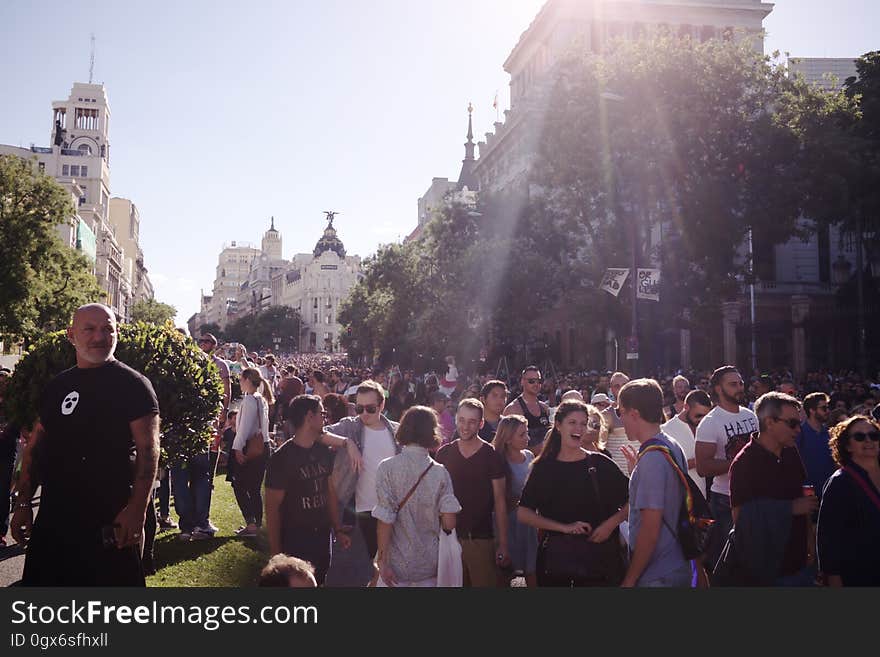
point(129, 523)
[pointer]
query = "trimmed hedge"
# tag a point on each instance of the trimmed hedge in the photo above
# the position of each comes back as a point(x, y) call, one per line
point(185, 379)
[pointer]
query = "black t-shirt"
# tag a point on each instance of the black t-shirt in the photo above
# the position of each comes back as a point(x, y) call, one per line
point(304, 475)
point(563, 491)
point(472, 483)
point(86, 458)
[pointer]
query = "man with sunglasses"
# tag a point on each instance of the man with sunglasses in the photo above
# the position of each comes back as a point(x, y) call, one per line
point(536, 412)
point(769, 468)
point(373, 435)
point(812, 442)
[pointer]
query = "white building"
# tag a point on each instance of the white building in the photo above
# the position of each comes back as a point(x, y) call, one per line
point(828, 72)
point(79, 159)
point(126, 221)
point(233, 269)
point(316, 284)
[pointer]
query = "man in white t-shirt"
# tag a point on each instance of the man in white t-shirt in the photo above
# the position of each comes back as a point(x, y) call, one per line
point(373, 434)
point(724, 431)
point(683, 427)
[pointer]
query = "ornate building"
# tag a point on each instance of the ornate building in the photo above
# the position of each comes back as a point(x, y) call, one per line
point(316, 284)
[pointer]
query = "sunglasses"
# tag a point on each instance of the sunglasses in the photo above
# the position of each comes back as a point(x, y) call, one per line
point(369, 408)
point(861, 437)
point(534, 381)
point(792, 422)
point(594, 425)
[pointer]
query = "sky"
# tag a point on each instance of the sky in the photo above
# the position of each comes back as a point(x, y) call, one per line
point(222, 116)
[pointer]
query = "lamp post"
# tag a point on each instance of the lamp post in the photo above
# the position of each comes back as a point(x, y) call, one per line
point(632, 342)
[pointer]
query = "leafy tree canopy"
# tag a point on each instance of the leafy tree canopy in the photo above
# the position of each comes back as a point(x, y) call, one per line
point(153, 312)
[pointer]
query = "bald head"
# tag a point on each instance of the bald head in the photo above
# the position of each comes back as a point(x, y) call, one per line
point(93, 335)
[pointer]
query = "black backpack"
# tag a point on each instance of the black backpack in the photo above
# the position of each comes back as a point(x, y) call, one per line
point(695, 521)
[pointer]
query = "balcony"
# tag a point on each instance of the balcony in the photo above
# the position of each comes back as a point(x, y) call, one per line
point(73, 152)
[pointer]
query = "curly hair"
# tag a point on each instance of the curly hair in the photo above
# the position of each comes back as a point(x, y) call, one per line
point(840, 438)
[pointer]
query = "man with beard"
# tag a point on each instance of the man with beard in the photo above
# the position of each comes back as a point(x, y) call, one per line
point(683, 427)
point(479, 483)
point(680, 388)
point(94, 450)
point(812, 442)
point(760, 386)
point(724, 431)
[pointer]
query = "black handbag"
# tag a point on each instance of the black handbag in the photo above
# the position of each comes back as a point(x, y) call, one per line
point(574, 556)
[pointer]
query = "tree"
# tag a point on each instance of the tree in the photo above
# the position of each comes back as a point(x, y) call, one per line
point(212, 328)
point(153, 312)
point(260, 331)
point(41, 280)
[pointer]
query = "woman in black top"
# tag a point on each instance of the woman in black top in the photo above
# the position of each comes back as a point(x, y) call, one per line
point(848, 532)
point(575, 493)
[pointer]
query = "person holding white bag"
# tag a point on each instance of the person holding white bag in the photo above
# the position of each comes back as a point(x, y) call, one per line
point(415, 502)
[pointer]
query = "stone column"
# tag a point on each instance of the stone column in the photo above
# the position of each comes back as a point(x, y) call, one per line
point(800, 308)
point(685, 341)
point(730, 312)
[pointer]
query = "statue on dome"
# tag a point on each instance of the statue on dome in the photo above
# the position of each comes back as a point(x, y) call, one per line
point(330, 216)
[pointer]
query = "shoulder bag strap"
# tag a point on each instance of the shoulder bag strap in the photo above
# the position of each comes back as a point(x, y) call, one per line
point(413, 489)
point(689, 500)
point(856, 477)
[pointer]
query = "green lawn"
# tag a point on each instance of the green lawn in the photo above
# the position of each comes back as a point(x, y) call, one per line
point(225, 560)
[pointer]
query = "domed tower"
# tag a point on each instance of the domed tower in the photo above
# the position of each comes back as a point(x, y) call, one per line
point(271, 246)
point(329, 241)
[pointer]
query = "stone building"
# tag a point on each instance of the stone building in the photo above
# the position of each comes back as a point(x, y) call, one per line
point(79, 159)
point(316, 284)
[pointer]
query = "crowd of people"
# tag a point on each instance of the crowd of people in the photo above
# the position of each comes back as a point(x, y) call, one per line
point(583, 478)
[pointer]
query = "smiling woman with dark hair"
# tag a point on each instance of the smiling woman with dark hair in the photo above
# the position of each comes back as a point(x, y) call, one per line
point(578, 499)
point(848, 533)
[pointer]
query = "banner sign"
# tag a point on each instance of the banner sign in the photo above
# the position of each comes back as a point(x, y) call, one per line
point(613, 280)
point(649, 284)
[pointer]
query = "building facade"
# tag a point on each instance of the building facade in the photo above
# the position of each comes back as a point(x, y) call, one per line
point(316, 284)
point(79, 159)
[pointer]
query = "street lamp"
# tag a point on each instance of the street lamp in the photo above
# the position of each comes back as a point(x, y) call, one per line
point(632, 343)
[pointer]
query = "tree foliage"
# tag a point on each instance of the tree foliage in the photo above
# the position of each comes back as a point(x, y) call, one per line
point(186, 381)
point(667, 147)
point(259, 331)
point(151, 311)
point(42, 281)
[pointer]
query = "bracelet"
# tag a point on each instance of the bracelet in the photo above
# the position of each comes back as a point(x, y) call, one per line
point(25, 505)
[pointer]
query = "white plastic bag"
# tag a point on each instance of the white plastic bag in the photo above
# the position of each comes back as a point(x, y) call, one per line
point(449, 569)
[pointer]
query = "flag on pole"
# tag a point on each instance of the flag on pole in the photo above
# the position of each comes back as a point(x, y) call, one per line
point(649, 284)
point(613, 280)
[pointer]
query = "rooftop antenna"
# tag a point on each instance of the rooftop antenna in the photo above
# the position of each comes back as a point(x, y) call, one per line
point(92, 61)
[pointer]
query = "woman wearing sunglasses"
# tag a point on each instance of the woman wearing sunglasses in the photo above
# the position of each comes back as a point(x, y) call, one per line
point(578, 498)
point(848, 533)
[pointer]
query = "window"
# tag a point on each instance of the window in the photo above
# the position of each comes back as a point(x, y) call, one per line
point(85, 148)
point(84, 171)
point(74, 170)
point(315, 318)
point(65, 170)
point(315, 302)
point(42, 167)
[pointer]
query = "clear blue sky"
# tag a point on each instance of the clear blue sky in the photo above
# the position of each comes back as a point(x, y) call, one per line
point(223, 116)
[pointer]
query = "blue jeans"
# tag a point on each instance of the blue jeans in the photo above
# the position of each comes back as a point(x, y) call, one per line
point(804, 577)
point(191, 482)
point(681, 578)
point(164, 494)
point(720, 507)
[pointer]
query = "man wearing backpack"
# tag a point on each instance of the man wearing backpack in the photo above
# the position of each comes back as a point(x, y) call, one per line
point(656, 492)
